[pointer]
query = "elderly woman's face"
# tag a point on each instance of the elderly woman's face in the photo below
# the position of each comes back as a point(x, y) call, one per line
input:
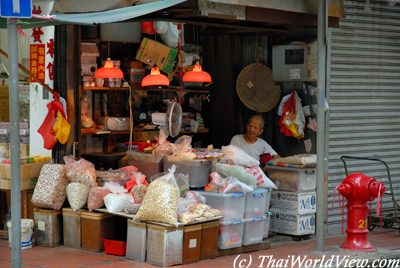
point(254, 128)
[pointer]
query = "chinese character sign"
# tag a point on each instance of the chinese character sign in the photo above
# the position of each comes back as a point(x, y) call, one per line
point(38, 61)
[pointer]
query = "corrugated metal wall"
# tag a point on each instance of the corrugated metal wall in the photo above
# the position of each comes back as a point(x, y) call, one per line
point(364, 95)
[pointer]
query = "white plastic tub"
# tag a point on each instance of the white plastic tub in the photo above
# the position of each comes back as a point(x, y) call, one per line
point(253, 230)
point(255, 203)
point(26, 233)
point(197, 169)
point(148, 164)
point(293, 179)
point(230, 234)
point(231, 205)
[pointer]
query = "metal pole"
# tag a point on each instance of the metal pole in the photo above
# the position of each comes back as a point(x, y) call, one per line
point(14, 140)
point(321, 159)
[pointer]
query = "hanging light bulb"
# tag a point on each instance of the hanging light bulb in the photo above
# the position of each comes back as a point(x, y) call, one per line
point(197, 75)
point(108, 71)
point(155, 78)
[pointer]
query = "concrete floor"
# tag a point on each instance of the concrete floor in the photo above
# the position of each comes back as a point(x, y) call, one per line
point(385, 240)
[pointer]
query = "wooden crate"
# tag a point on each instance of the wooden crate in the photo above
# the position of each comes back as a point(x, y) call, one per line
point(28, 172)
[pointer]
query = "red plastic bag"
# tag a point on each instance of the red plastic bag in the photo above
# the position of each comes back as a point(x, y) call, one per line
point(46, 129)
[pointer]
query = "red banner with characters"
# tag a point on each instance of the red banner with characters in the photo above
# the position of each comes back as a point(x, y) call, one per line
point(38, 61)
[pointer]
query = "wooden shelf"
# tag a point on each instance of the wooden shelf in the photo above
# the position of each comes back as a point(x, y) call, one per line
point(107, 133)
point(105, 88)
point(177, 90)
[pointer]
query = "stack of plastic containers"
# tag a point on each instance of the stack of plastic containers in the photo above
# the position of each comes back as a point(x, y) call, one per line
point(231, 226)
point(244, 217)
point(255, 207)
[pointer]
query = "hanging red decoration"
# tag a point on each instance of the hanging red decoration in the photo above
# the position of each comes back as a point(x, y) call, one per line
point(155, 78)
point(197, 75)
point(36, 34)
point(50, 47)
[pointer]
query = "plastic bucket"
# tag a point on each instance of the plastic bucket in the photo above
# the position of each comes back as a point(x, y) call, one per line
point(26, 233)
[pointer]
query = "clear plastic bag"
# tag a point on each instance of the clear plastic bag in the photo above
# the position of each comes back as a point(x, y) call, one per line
point(160, 201)
point(77, 194)
point(238, 156)
point(81, 171)
point(117, 202)
point(114, 187)
point(253, 176)
point(96, 197)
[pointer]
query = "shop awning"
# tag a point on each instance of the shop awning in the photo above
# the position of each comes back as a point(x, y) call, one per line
point(92, 18)
point(114, 15)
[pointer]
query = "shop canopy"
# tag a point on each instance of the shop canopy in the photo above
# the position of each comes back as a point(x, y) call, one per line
point(97, 17)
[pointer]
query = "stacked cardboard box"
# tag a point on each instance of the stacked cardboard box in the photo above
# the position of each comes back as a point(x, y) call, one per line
point(293, 206)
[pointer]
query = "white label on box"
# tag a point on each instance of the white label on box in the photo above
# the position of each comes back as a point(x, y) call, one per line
point(294, 203)
point(294, 74)
point(292, 224)
point(192, 243)
point(3, 131)
point(41, 225)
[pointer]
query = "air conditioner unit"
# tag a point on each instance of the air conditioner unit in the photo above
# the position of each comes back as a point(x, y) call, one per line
point(295, 62)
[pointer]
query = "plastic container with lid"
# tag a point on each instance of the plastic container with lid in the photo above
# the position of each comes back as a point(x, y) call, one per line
point(148, 164)
point(231, 204)
point(253, 230)
point(293, 179)
point(266, 224)
point(26, 233)
point(230, 234)
point(255, 203)
point(197, 169)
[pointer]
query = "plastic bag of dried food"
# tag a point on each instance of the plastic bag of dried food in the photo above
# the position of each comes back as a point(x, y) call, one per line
point(160, 201)
point(131, 208)
point(81, 171)
point(117, 202)
point(198, 208)
point(253, 176)
point(50, 191)
point(77, 194)
point(199, 198)
point(115, 187)
point(184, 204)
point(238, 156)
point(212, 213)
point(138, 192)
point(187, 217)
point(96, 197)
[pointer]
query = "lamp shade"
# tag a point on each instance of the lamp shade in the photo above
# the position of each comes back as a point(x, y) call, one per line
point(155, 78)
point(197, 75)
point(108, 71)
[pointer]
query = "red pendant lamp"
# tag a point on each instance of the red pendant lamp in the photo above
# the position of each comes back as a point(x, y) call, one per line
point(197, 75)
point(108, 71)
point(155, 78)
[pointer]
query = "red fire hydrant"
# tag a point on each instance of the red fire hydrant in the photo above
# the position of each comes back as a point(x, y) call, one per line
point(358, 189)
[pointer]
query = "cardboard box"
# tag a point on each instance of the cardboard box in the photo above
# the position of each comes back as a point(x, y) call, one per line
point(293, 203)
point(5, 150)
point(292, 224)
point(152, 52)
point(27, 173)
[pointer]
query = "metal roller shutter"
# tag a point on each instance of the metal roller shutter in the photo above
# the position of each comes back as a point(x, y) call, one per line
point(364, 97)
